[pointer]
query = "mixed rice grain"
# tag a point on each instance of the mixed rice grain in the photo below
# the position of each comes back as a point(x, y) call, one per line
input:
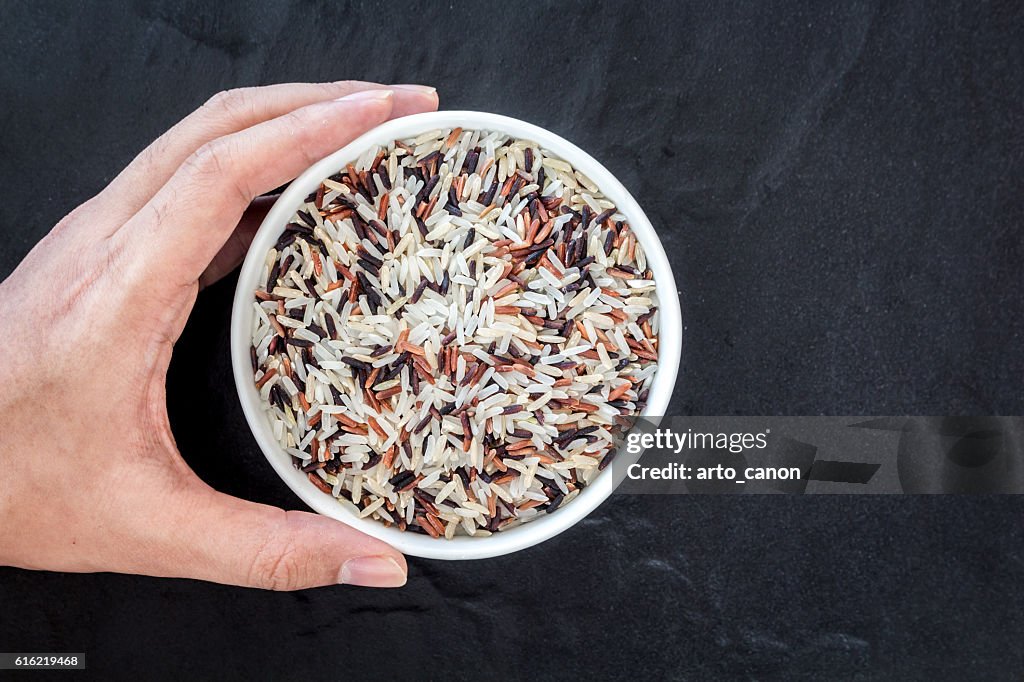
point(452, 331)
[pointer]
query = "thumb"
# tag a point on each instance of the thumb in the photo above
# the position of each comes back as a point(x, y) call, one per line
point(236, 542)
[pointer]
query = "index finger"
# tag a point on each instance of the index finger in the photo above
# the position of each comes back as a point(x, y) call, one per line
point(174, 237)
point(228, 112)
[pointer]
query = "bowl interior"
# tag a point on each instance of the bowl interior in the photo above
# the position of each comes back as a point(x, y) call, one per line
point(460, 547)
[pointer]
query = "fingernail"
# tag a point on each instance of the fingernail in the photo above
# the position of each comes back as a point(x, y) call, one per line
point(421, 89)
point(366, 96)
point(372, 571)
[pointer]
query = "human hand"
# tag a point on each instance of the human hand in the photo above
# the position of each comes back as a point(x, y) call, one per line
point(92, 479)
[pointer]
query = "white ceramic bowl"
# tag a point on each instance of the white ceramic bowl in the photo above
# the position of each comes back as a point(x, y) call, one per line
point(460, 547)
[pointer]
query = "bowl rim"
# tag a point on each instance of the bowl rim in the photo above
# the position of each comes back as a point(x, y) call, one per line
point(461, 547)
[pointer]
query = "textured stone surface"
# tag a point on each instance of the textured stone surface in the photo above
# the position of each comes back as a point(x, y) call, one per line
point(839, 191)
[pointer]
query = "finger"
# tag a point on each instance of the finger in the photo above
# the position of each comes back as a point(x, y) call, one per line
point(228, 112)
point(175, 236)
point(231, 541)
point(233, 251)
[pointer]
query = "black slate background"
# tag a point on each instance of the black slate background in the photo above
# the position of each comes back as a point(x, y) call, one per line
point(839, 189)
